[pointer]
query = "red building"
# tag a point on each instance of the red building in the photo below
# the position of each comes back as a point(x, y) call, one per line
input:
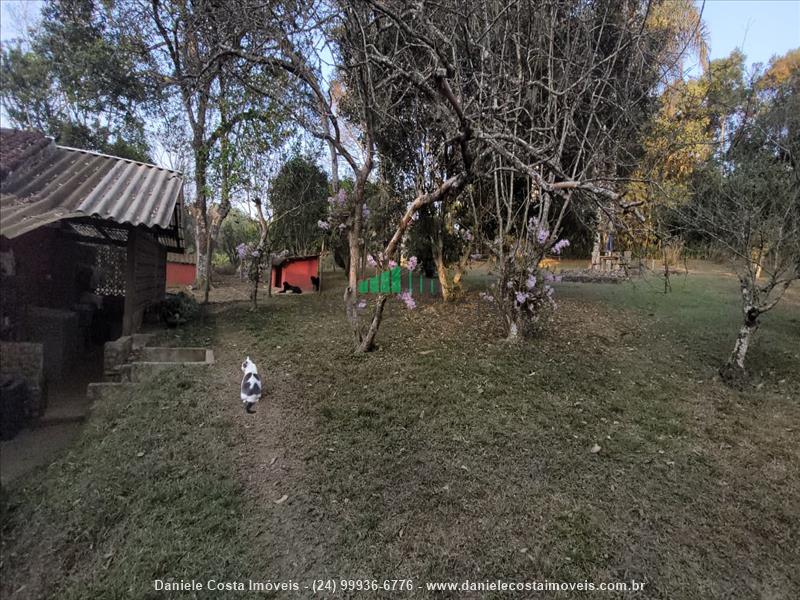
point(181, 269)
point(296, 270)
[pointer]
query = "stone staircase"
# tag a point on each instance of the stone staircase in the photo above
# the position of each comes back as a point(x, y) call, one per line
point(130, 360)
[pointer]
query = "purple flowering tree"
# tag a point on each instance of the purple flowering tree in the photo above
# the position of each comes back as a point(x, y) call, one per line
point(529, 221)
point(498, 90)
point(258, 256)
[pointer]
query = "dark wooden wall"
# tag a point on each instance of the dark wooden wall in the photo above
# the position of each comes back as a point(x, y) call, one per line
point(145, 279)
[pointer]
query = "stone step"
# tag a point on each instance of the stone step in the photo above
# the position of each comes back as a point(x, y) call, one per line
point(50, 420)
point(73, 410)
point(95, 391)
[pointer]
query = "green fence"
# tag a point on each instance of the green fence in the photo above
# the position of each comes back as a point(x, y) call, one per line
point(398, 280)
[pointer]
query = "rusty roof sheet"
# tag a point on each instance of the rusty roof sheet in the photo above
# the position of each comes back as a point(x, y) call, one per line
point(62, 183)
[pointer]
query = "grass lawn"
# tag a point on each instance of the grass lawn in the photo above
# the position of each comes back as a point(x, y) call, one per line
point(444, 456)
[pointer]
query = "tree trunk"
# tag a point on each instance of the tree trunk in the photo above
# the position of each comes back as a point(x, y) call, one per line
point(218, 213)
point(262, 250)
point(212, 235)
point(351, 291)
point(448, 287)
point(319, 267)
point(269, 276)
point(208, 252)
point(368, 342)
point(200, 209)
point(598, 239)
point(459, 274)
point(437, 249)
point(201, 244)
point(513, 330)
point(448, 290)
point(354, 239)
point(255, 277)
point(734, 370)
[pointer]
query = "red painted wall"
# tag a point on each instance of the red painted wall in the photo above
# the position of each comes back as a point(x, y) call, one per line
point(180, 274)
point(296, 272)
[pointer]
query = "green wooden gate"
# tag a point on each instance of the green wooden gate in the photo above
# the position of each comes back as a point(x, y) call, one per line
point(398, 280)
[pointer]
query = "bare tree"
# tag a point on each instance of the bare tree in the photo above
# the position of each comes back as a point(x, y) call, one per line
point(292, 41)
point(746, 201)
point(540, 96)
point(179, 46)
point(542, 90)
point(750, 211)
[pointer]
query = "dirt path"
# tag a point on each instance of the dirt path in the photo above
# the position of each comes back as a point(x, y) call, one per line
point(274, 444)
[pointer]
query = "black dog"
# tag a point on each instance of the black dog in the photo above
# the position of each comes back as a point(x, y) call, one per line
point(315, 283)
point(288, 288)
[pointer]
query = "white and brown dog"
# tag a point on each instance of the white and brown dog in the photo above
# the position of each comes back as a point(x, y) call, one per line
point(251, 385)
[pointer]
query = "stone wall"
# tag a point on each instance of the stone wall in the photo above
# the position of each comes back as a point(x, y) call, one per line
point(116, 353)
point(26, 360)
point(58, 331)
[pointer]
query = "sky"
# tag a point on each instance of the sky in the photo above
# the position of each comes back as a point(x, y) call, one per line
point(761, 28)
point(14, 14)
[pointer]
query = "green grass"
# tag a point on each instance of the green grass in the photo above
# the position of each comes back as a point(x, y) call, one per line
point(149, 481)
point(703, 313)
point(447, 454)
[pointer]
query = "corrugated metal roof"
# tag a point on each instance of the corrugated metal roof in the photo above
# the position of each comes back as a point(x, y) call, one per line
point(63, 183)
point(185, 259)
point(17, 147)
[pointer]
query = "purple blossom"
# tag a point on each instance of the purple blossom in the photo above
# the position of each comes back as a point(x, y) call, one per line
point(466, 235)
point(531, 283)
point(411, 263)
point(241, 250)
point(371, 261)
point(559, 246)
point(521, 297)
point(339, 200)
point(365, 212)
point(542, 236)
point(408, 300)
point(324, 225)
point(487, 297)
point(392, 264)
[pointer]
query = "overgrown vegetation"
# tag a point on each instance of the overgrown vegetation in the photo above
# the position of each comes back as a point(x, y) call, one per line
point(445, 455)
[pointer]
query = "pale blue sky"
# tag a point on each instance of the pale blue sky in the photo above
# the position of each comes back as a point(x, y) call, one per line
point(761, 28)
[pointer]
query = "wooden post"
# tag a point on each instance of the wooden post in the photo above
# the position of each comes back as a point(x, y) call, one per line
point(269, 274)
point(128, 317)
point(319, 265)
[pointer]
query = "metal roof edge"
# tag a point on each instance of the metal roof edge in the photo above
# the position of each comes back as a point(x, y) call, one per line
point(130, 160)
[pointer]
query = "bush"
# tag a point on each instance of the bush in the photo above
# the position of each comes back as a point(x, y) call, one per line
point(179, 308)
